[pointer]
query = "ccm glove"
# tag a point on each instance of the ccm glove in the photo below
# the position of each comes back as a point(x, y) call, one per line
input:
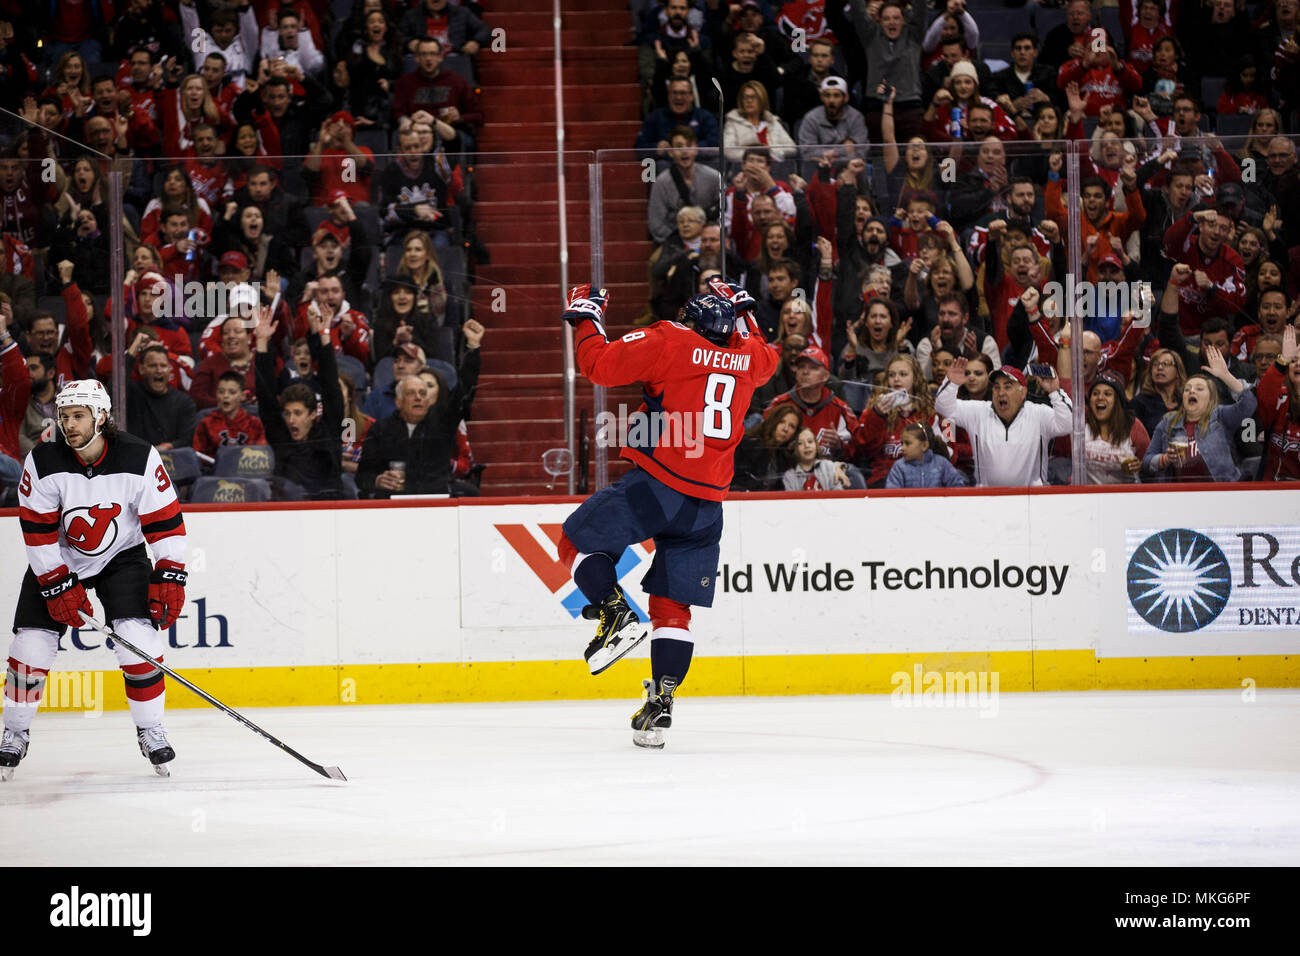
point(166, 593)
point(64, 596)
point(741, 301)
point(586, 303)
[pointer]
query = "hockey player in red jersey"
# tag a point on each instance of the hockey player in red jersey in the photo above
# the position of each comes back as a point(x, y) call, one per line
point(87, 505)
point(698, 374)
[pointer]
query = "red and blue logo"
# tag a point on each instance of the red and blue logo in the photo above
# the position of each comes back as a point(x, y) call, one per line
point(555, 575)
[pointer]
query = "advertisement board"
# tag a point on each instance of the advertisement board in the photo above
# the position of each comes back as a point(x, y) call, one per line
point(472, 602)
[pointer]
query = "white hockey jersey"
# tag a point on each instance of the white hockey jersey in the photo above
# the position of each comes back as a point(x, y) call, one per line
point(1008, 454)
point(82, 514)
point(240, 56)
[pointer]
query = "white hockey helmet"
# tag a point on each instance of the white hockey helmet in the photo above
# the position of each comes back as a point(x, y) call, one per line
point(87, 392)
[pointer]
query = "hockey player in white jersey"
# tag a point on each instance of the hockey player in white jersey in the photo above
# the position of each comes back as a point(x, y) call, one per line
point(87, 505)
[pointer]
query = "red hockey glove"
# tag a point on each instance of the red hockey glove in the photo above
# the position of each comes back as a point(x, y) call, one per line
point(741, 301)
point(586, 303)
point(166, 593)
point(64, 596)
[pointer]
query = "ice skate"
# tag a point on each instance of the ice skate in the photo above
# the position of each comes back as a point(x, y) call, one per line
point(619, 631)
point(655, 715)
point(154, 745)
point(13, 748)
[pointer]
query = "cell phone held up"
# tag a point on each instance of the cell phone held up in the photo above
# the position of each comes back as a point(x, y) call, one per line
point(1042, 371)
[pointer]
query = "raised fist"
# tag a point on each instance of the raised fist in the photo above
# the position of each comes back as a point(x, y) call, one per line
point(584, 302)
point(741, 301)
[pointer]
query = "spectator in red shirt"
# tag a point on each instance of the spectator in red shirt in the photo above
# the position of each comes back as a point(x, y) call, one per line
point(73, 357)
point(1199, 240)
point(15, 390)
point(148, 288)
point(70, 81)
point(348, 328)
point(182, 248)
point(214, 71)
point(1279, 410)
point(830, 418)
point(204, 167)
point(183, 109)
point(176, 192)
point(140, 77)
point(76, 25)
point(1003, 289)
point(1104, 80)
point(236, 356)
point(905, 400)
point(110, 103)
point(1143, 24)
point(229, 423)
point(443, 94)
point(1241, 93)
point(337, 164)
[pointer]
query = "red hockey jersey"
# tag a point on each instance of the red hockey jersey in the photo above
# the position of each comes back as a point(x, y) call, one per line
point(696, 394)
point(1225, 297)
point(830, 418)
point(1282, 447)
point(216, 430)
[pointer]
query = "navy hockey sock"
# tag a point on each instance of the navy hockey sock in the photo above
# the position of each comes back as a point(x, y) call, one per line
point(595, 577)
point(670, 658)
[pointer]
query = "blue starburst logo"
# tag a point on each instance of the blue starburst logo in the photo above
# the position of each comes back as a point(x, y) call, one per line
point(1179, 580)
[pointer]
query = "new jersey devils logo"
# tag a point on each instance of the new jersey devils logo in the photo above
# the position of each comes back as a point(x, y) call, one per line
point(92, 530)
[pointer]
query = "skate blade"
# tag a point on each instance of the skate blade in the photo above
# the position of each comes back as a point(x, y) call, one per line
point(612, 653)
point(6, 773)
point(162, 770)
point(649, 739)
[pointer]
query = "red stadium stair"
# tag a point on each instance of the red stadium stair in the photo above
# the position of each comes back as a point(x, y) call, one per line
point(518, 413)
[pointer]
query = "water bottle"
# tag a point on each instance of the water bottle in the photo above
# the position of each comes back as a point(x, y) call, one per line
point(954, 126)
point(192, 236)
point(1029, 85)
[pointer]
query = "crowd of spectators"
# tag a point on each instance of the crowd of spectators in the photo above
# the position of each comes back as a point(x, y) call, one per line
point(886, 179)
point(889, 182)
point(297, 229)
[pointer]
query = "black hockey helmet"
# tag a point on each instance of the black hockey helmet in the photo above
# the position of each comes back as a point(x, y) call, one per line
point(710, 315)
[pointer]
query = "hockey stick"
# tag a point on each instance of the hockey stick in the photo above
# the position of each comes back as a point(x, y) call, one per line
point(334, 773)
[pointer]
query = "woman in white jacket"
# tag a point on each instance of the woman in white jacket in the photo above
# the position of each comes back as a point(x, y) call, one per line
point(751, 123)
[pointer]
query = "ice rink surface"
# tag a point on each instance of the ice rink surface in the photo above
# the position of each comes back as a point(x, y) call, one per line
point(1118, 778)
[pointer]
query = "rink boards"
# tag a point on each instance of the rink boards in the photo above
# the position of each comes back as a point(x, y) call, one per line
point(442, 601)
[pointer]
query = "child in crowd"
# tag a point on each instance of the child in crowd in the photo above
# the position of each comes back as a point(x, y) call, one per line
point(920, 467)
point(811, 473)
point(228, 424)
point(910, 222)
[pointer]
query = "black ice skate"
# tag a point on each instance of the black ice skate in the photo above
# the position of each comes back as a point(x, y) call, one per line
point(619, 631)
point(153, 744)
point(656, 713)
point(13, 748)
